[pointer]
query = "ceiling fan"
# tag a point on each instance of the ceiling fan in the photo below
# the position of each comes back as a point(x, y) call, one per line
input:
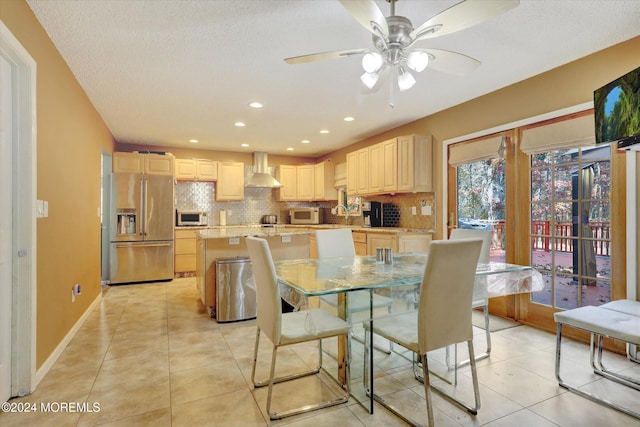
point(394, 38)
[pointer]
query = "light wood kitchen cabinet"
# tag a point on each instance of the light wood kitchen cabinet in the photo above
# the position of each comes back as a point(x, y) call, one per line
point(287, 175)
point(413, 242)
point(185, 250)
point(304, 176)
point(381, 240)
point(152, 164)
point(363, 171)
point(360, 242)
point(230, 185)
point(375, 169)
point(415, 163)
point(323, 181)
point(196, 170)
point(389, 167)
point(352, 173)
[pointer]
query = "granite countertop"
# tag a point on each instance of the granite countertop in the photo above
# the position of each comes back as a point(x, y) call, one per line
point(279, 229)
point(244, 231)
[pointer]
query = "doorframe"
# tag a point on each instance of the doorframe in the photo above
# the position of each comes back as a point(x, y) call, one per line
point(24, 244)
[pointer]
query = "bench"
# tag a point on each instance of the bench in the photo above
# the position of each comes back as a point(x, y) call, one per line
point(619, 320)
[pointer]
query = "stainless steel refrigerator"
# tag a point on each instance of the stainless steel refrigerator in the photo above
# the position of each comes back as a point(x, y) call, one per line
point(141, 229)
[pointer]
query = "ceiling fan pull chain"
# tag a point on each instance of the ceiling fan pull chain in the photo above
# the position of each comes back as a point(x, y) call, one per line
point(391, 91)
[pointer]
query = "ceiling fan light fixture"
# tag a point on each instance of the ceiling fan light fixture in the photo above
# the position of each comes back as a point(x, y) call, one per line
point(371, 62)
point(418, 60)
point(405, 79)
point(369, 79)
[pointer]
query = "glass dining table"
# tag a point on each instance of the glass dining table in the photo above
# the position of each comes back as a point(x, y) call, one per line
point(302, 280)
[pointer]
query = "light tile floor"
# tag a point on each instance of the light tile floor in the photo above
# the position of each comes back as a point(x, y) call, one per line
point(149, 355)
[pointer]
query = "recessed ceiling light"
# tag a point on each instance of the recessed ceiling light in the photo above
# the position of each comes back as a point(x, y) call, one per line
point(289, 148)
point(349, 119)
point(194, 141)
point(324, 131)
point(244, 145)
point(239, 124)
point(255, 105)
point(305, 141)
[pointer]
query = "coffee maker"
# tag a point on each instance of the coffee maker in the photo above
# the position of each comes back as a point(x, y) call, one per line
point(372, 214)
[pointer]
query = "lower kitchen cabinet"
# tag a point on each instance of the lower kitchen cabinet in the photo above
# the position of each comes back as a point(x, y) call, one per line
point(381, 240)
point(360, 242)
point(414, 242)
point(185, 251)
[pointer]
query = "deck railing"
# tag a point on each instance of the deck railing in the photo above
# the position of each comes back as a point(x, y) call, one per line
point(562, 231)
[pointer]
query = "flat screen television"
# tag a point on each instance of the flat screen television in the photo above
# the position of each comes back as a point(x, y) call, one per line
point(617, 111)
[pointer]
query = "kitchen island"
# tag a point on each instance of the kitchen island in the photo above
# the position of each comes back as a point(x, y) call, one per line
point(230, 242)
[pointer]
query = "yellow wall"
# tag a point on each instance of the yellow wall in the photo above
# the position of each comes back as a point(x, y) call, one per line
point(70, 138)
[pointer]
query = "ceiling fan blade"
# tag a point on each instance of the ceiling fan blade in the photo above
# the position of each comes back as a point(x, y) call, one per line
point(450, 62)
point(462, 15)
point(324, 55)
point(366, 12)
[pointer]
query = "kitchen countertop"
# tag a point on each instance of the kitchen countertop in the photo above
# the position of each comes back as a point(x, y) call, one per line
point(244, 231)
point(279, 229)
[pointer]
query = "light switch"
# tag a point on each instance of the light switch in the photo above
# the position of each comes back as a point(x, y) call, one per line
point(426, 210)
point(414, 211)
point(39, 209)
point(46, 208)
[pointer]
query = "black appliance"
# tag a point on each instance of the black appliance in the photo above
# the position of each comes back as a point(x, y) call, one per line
point(372, 214)
point(390, 215)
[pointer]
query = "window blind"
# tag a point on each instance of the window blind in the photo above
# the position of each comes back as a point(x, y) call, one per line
point(460, 154)
point(572, 133)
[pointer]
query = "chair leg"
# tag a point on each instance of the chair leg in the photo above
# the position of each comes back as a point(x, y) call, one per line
point(487, 353)
point(272, 381)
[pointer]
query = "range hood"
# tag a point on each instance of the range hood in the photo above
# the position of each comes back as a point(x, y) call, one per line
point(261, 177)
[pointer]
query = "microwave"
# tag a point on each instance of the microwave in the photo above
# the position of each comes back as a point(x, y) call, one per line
point(191, 218)
point(305, 215)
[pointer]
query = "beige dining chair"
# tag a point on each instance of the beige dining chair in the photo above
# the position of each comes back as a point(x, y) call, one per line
point(289, 328)
point(338, 242)
point(443, 317)
point(485, 253)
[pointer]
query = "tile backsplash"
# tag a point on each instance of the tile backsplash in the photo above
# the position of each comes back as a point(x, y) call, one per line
point(200, 196)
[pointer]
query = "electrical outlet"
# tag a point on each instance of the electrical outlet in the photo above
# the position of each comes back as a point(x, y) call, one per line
point(73, 295)
point(414, 211)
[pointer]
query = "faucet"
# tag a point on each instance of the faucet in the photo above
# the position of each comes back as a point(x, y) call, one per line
point(346, 212)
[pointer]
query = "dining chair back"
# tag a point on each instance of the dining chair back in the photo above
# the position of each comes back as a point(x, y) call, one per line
point(338, 242)
point(269, 308)
point(334, 243)
point(444, 315)
point(485, 257)
point(289, 328)
point(443, 318)
point(484, 235)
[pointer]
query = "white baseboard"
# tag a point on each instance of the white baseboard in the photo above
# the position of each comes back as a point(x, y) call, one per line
point(48, 364)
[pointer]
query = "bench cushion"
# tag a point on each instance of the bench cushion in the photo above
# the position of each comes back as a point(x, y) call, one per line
point(602, 321)
point(624, 306)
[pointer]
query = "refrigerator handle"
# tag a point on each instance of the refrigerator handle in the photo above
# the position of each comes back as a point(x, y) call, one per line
point(143, 206)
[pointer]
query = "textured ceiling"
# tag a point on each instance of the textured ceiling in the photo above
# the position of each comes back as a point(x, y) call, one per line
point(162, 72)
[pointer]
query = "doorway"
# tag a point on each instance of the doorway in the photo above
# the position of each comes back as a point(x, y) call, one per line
point(18, 222)
point(6, 149)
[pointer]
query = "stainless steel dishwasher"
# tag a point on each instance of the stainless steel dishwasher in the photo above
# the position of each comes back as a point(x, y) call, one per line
point(235, 290)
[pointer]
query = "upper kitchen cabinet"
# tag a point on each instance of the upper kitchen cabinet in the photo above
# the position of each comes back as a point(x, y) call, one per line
point(287, 175)
point(399, 165)
point(230, 184)
point(196, 170)
point(415, 163)
point(358, 172)
point(323, 181)
point(306, 182)
point(152, 164)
